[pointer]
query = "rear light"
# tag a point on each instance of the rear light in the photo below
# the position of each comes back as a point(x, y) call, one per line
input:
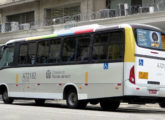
point(132, 76)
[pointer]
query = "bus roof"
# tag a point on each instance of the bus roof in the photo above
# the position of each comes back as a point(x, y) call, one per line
point(80, 30)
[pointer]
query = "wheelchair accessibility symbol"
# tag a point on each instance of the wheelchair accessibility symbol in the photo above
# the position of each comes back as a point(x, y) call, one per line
point(141, 62)
point(106, 66)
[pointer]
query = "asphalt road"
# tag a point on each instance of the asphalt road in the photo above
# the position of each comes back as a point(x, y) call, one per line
point(27, 110)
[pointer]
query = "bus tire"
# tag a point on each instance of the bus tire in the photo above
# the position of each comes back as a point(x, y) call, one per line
point(39, 101)
point(73, 102)
point(6, 98)
point(162, 104)
point(72, 99)
point(109, 105)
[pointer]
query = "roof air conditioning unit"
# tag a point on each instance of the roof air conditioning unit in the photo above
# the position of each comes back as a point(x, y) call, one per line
point(123, 9)
point(25, 26)
point(146, 9)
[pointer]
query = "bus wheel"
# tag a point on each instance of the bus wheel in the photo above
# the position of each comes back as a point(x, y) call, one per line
point(162, 104)
point(73, 102)
point(109, 105)
point(72, 99)
point(39, 101)
point(6, 98)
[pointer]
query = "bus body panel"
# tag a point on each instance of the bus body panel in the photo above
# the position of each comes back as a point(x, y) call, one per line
point(149, 72)
point(92, 81)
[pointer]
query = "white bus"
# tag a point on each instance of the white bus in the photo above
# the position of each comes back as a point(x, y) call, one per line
point(91, 64)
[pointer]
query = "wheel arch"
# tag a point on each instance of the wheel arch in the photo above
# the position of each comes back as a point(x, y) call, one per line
point(3, 87)
point(67, 87)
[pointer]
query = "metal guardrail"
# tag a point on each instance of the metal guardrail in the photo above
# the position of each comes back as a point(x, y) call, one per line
point(15, 26)
point(122, 10)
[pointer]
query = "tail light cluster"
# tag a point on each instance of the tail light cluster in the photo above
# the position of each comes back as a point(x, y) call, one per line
point(132, 75)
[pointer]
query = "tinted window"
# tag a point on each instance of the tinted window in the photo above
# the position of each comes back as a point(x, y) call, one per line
point(68, 53)
point(43, 52)
point(99, 46)
point(108, 46)
point(22, 58)
point(83, 48)
point(31, 53)
point(54, 55)
point(116, 46)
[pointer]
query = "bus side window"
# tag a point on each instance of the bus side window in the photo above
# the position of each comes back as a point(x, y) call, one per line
point(99, 46)
point(31, 53)
point(83, 48)
point(69, 49)
point(43, 52)
point(115, 46)
point(22, 58)
point(108, 46)
point(55, 47)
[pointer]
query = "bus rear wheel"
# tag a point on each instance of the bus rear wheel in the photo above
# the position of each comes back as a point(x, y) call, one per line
point(73, 102)
point(39, 101)
point(6, 98)
point(109, 105)
point(162, 104)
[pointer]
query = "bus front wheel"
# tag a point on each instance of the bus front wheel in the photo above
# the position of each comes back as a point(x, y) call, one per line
point(109, 105)
point(6, 98)
point(73, 102)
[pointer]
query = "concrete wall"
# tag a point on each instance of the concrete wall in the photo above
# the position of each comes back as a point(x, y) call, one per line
point(7, 1)
point(156, 19)
point(52, 4)
point(115, 2)
point(20, 9)
point(38, 7)
point(99, 4)
point(87, 6)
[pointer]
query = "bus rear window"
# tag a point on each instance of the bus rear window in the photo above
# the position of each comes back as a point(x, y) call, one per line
point(150, 39)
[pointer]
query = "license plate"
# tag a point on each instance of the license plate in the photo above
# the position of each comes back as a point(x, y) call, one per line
point(143, 75)
point(152, 91)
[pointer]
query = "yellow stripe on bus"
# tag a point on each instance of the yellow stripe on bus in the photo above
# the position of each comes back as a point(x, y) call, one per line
point(17, 78)
point(86, 77)
point(129, 45)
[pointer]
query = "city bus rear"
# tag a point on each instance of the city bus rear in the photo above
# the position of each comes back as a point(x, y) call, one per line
point(146, 75)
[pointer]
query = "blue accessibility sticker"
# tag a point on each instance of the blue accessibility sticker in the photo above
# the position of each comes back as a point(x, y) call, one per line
point(106, 66)
point(141, 62)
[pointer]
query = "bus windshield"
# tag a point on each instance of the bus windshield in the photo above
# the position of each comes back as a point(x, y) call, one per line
point(150, 39)
point(1, 52)
point(6, 57)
